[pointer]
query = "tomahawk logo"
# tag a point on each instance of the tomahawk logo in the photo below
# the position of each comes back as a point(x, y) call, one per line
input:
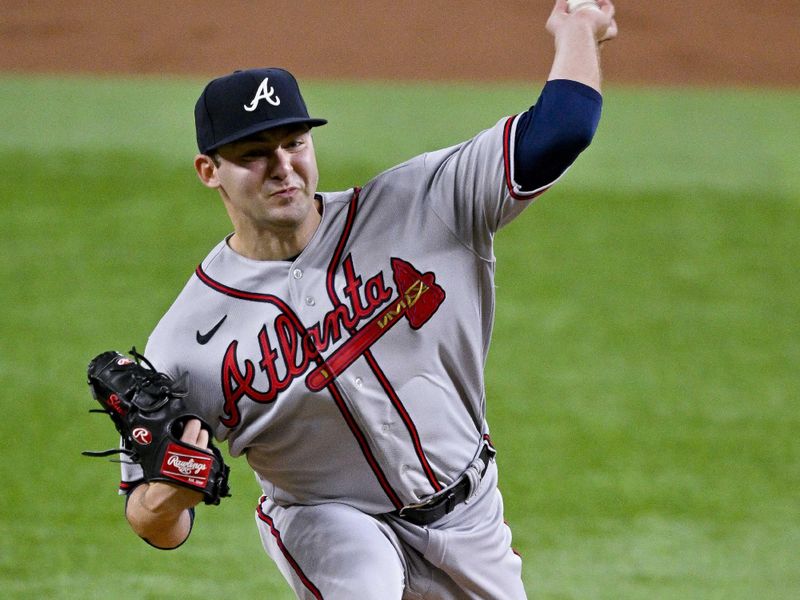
point(418, 297)
point(264, 92)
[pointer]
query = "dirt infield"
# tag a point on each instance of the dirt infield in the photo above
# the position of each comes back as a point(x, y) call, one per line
point(672, 42)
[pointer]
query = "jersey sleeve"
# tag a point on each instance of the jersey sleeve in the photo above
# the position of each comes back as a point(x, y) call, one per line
point(480, 185)
point(467, 188)
point(130, 476)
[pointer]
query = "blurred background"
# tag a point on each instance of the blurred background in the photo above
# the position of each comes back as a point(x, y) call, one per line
point(680, 42)
point(642, 385)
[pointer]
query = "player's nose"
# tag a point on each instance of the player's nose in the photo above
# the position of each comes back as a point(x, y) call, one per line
point(281, 164)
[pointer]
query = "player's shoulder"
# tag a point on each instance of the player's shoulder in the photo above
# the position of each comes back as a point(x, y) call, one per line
point(400, 177)
point(191, 304)
point(489, 138)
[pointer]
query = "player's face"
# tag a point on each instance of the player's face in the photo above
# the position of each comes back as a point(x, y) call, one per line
point(268, 181)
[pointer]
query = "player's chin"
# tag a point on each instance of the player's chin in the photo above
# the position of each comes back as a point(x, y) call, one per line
point(286, 212)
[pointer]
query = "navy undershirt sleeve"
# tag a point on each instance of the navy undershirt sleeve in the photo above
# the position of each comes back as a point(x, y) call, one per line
point(554, 131)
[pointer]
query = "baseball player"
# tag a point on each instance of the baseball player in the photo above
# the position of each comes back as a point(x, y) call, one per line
point(337, 340)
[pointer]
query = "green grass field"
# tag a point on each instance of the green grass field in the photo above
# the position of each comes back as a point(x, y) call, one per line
point(643, 384)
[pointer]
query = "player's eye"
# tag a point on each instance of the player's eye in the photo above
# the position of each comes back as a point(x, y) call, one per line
point(253, 154)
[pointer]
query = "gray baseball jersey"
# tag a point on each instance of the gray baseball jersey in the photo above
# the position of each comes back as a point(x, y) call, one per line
point(354, 373)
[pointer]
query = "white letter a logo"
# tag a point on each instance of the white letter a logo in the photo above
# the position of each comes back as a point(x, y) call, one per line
point(264, 92)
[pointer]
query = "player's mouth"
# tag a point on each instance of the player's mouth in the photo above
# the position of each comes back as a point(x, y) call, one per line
point(287, 192)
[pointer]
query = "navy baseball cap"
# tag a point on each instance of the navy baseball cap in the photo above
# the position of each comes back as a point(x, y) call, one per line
point(245, 102)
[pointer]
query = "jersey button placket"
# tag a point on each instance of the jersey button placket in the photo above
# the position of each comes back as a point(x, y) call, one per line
point(299, 286)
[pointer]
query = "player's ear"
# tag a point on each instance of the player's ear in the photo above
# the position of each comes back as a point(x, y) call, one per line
point(206, 168)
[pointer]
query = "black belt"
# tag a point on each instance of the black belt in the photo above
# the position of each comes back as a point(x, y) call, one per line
point(443, 504)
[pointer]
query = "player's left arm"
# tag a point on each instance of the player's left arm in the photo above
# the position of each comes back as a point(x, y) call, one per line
point(551, 134)
point(161, 513)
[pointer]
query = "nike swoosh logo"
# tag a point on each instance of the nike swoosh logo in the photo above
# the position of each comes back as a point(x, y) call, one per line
point(204, 338)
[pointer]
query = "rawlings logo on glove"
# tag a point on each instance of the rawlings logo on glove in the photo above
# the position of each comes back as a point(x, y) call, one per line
point(149, 411)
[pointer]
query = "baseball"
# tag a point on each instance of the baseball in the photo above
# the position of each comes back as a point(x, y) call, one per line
point(576, 5)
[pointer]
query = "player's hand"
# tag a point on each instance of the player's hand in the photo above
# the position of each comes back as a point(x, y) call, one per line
point(178, 497)
point(163, 496)
point(601, 22)
point(157, 511)
point(194, 434)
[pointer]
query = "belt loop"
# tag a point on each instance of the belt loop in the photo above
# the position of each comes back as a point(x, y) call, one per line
point(474, 476)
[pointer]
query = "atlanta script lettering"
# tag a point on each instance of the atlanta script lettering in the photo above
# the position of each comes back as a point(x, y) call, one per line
point(290, 354)
point(294, 347)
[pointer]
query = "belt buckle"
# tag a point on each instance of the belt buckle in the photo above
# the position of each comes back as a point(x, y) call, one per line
point(448, 499)
point(449, 502)
point(410, 507)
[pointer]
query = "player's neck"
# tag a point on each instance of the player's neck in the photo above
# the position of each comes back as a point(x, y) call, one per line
point(275, 243)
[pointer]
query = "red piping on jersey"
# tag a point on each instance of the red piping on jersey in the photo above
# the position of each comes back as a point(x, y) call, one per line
point(371, 361)
point(126, 486)
point(287, 555)
point(337, 253)
point(357, 433)
point(412, 430)
point(507, 158)
point(233, 292)
point(362, 441)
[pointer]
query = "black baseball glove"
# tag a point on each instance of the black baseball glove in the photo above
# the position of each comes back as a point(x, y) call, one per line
point(149, 412)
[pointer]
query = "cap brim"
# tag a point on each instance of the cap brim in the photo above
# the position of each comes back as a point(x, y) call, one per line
point(264, 126)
